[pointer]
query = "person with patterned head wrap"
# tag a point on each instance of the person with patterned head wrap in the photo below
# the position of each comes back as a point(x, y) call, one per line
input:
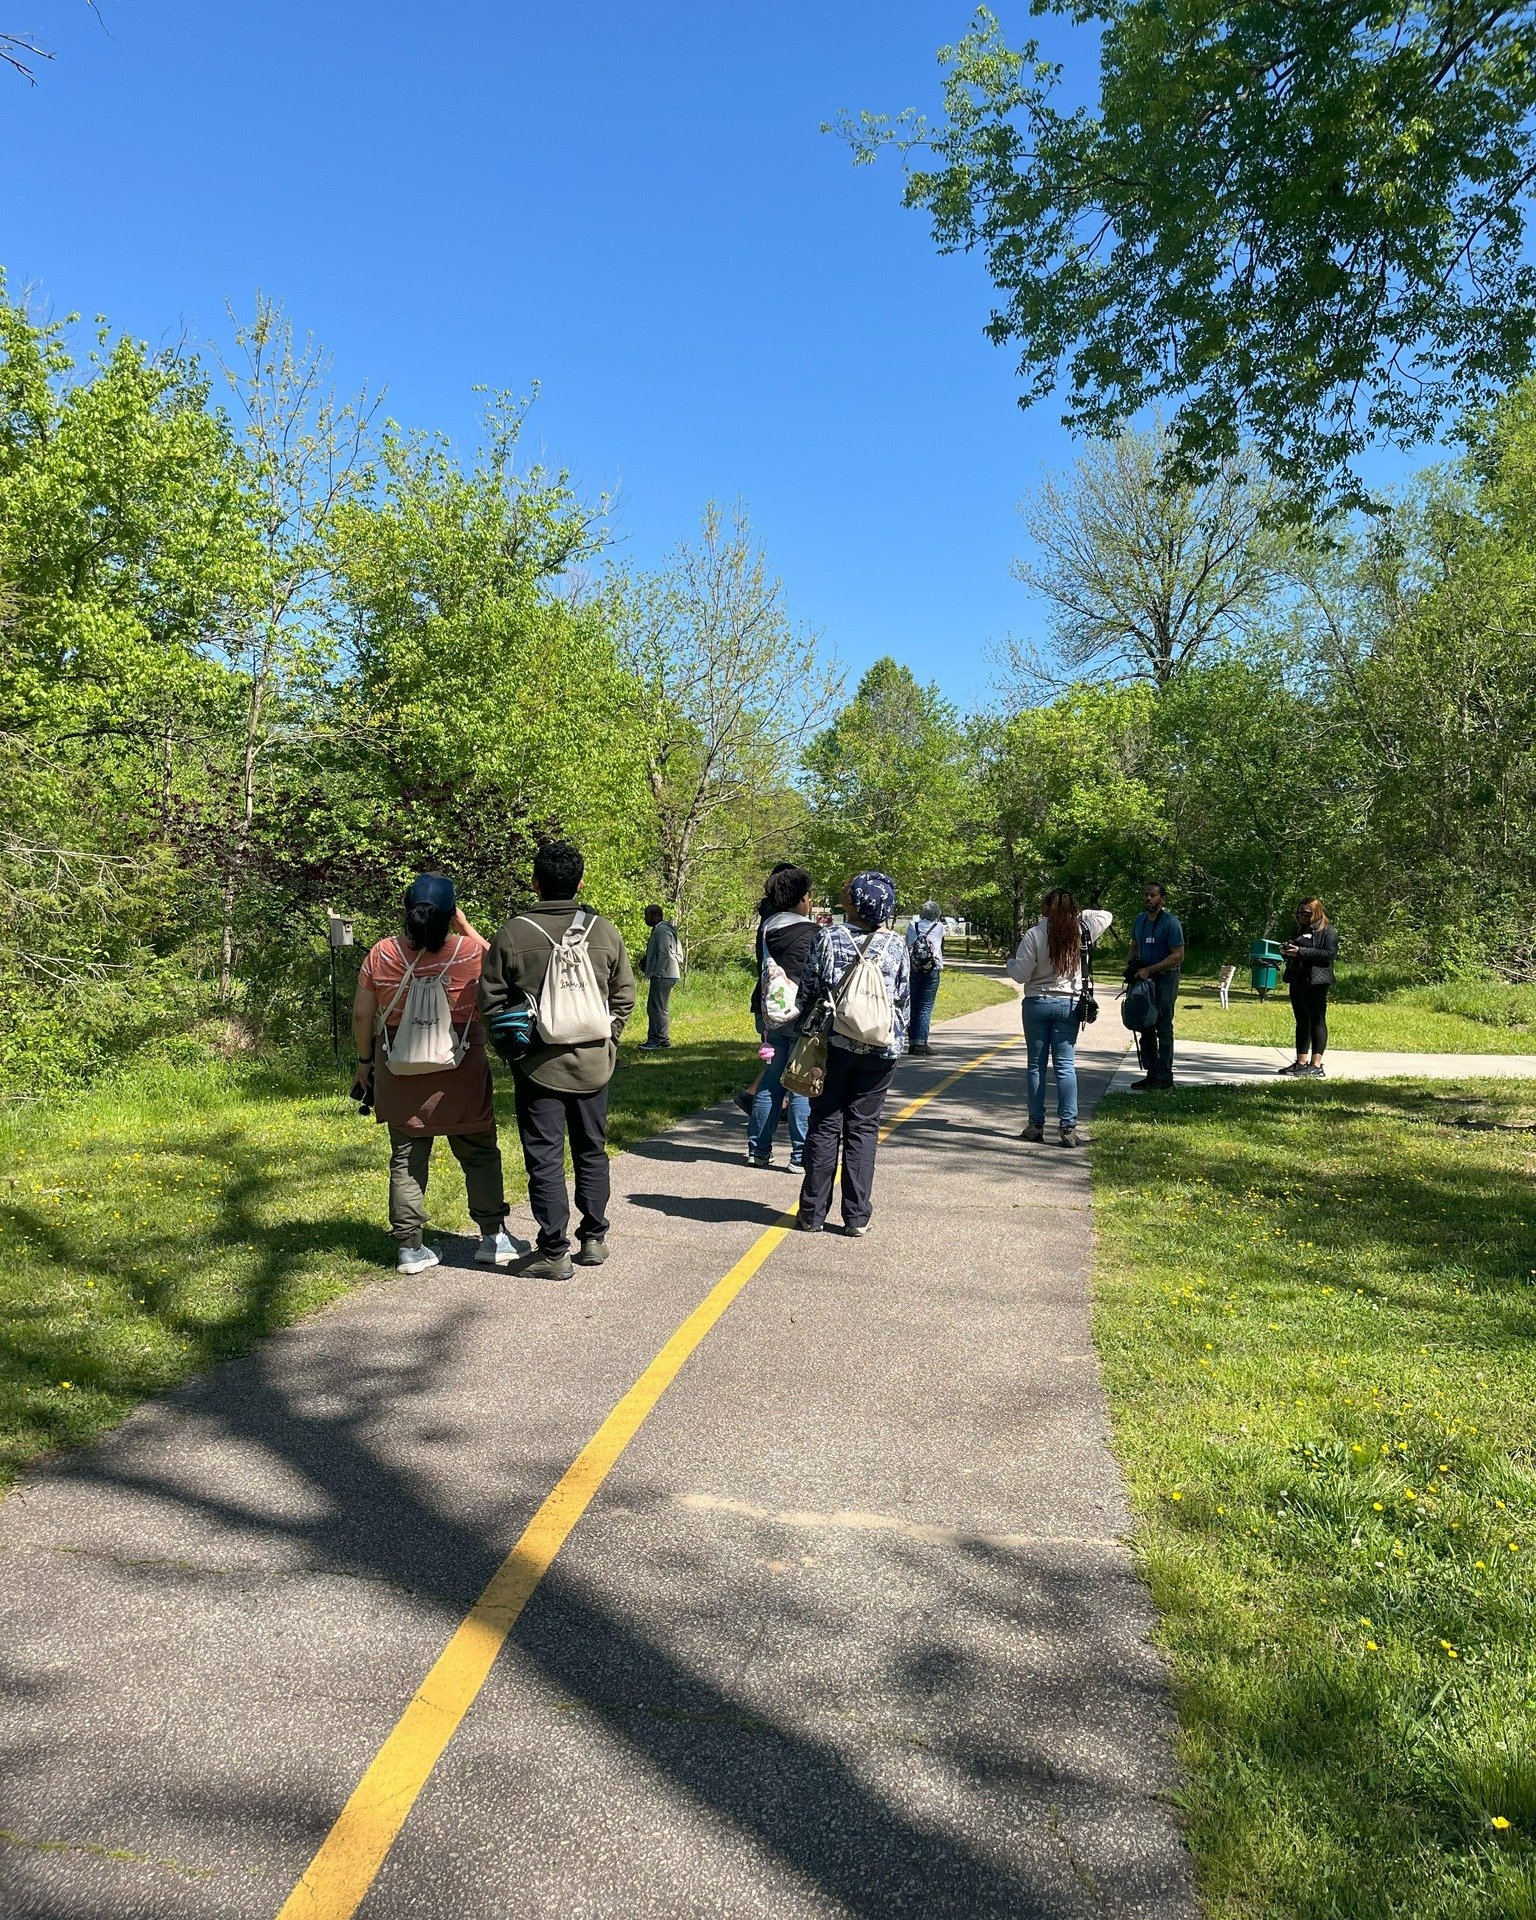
point(845, 1115)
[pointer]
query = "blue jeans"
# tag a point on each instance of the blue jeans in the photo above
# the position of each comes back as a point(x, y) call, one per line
point(1050, 1032)
point(925, 990)
point(763, 1123)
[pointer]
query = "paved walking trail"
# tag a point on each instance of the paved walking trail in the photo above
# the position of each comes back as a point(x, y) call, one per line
point(1208, 1063)
point(849, 1629)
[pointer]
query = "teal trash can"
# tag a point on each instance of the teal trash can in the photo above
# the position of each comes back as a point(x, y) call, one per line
point(1264, 962)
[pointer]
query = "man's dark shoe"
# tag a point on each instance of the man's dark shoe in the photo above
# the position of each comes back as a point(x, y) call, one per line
point(856, 1233)
point(592, 1251)
point(794, 1165)
point(1033, 1134)
point(1296, 1066)
point(1141, 1085)
point(1159, 1086)
point(1069, 1136)
point(1317, 1073)
point(546, 1266)
point(807, 1226)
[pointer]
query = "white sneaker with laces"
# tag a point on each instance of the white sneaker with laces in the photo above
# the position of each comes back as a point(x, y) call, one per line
point(416, 1259)
point(495, 1250)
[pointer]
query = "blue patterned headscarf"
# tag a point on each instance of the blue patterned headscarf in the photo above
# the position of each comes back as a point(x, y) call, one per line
point(874, 898)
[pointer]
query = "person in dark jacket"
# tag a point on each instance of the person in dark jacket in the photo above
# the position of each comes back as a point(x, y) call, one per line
point(785, 938)
point(561, 1089)
point(1309, 956)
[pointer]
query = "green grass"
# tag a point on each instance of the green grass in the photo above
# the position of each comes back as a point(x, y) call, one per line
point(168, 1220)
point(1375, 1012)
point(1317, 1311)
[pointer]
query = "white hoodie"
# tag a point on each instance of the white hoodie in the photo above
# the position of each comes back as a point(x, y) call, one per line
point(1033, 967)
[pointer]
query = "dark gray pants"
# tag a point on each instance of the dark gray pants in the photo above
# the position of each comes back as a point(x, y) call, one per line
point(658, 1018)
point(845, 1113)
point(1159, 1042)
point(543, 1121)
point(410, 1159)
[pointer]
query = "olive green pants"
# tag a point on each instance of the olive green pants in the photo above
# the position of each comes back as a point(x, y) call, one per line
point(410, 1159)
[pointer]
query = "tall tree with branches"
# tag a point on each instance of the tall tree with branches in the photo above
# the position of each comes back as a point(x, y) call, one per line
point(729, 690)
point(304, 455)
point(1142, 571)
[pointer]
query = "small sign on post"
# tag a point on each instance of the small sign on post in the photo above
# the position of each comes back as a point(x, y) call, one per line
point(338, 934)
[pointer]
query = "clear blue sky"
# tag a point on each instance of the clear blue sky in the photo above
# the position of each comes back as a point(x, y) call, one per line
point(631, 204)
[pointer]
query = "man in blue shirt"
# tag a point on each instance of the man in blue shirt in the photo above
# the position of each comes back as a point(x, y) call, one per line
point(1157, 953)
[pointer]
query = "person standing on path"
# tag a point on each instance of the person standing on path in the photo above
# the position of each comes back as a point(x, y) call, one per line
point(1157, 954)
point(846, 1113)
point(784, 944)
point(1309, 957)
point(417, 1108)
point(662, 968)
point(562, 1088)
point(1049, 967)
point(925, 960)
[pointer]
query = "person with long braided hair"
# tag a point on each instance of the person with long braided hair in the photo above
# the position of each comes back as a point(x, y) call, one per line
point(1049, 967)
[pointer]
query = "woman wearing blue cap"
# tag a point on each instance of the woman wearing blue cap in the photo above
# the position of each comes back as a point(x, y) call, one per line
point(859, 974)
point(421, 1056)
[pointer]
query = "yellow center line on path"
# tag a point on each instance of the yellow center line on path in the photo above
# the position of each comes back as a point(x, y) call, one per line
point(355, 1849)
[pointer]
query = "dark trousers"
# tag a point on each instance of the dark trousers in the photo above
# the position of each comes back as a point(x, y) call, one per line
point(925, 990)
point(658, 1017)
point(846, 1113)
point(1310, 1006)
point(543, 1120)
point(1157, 1054)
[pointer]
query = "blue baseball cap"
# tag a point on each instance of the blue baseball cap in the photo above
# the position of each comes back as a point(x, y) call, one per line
point(432, 890)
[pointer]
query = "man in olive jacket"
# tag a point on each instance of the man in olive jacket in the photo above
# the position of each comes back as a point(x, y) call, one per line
point(561, 1089)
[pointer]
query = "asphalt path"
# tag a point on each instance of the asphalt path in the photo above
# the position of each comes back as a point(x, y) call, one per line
point(848, 1629)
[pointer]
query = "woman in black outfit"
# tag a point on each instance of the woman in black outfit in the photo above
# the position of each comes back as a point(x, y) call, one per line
point(1309, 957)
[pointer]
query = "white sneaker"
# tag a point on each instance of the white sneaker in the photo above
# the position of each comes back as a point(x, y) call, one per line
point(495, 1250)
point(416, 1259)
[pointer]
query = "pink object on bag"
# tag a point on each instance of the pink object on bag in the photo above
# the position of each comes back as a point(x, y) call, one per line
point(765, 1053)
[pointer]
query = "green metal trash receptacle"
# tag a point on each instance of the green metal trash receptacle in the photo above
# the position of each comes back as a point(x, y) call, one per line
point(1264, 962)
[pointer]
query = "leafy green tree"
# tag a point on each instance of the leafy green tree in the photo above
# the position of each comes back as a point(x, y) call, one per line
point(122, 541)
point(887, 787)
point(1430, 641)
point(482, 707)
point(1061, 794)
point(1300, 226)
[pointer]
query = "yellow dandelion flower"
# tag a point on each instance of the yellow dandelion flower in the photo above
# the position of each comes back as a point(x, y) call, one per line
point(1500, 1823)
point(1371, 1647)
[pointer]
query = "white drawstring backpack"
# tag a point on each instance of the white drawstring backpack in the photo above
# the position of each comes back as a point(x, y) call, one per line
point(863, 1004)
point(573, 1010)
point(426, 1040)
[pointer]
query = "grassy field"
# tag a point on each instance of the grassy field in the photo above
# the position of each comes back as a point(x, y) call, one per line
point(1317, 1310)
point(168, 1220)
point(1372, 1010)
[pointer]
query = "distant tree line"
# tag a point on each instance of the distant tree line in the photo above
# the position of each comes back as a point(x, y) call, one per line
point(264, 652)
